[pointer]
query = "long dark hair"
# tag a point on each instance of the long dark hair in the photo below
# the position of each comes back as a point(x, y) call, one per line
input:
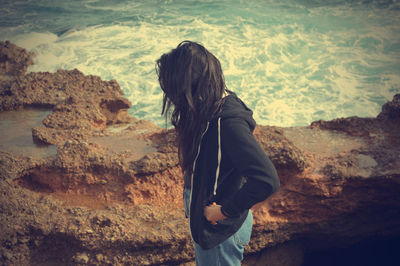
point(193, 84)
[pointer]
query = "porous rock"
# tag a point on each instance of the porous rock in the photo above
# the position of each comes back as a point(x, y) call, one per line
point(14, 60)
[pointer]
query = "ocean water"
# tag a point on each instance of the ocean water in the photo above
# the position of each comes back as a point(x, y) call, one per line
point(291, 61)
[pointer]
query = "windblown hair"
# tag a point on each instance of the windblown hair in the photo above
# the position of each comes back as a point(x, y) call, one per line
point(193, 84)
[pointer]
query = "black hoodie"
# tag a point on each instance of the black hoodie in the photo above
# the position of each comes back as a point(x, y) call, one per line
point(231, 169)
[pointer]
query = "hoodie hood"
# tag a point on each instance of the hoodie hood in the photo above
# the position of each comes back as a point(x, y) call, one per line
point(233, 107)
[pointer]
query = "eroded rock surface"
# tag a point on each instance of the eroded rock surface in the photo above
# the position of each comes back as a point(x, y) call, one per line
point(14, 60)
point(112, 195)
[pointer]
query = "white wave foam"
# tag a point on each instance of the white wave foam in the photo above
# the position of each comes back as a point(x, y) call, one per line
point(290, 70)
point(32, 40)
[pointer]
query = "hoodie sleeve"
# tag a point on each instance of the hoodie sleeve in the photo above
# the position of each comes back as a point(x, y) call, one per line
point(239, 144)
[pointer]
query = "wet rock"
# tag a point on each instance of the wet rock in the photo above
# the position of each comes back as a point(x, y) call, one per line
point(353, 126)
point(81, 104)
point(13, 60)
point(391, 110)
point(283, 153)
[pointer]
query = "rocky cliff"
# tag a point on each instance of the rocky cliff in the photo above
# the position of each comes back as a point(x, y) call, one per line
point(111, 191)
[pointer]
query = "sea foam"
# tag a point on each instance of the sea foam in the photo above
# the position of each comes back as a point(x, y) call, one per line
point(292, 62)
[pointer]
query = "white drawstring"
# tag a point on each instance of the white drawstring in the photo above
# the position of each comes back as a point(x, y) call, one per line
point(194, 165)
point(219, 156)
point(218, 166)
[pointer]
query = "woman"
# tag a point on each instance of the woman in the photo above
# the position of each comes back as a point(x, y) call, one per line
point(225, 170)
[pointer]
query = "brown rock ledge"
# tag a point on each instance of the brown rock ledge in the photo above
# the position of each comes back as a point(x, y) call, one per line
point(112, 193)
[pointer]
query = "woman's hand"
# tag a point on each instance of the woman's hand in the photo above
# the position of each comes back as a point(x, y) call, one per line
point(213, 213)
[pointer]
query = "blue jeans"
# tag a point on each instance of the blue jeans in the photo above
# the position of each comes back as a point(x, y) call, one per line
point(229, 252)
